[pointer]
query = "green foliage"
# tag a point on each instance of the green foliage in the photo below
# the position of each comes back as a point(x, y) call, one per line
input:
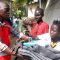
point(20, 2)
point(28, 1)
point(19, 7)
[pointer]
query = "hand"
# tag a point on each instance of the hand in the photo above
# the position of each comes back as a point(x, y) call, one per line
point(19, 45)
point(29, 28)
point(9, 51)
point(18, 55)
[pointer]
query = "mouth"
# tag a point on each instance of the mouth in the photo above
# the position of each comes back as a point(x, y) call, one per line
point(36, 18)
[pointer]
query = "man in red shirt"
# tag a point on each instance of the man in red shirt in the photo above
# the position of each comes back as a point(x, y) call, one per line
point(40, 26)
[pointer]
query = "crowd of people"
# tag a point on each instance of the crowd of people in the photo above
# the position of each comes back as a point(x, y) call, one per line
point(35, 27)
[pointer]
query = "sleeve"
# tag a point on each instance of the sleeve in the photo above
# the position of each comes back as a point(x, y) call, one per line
point(15, 32)
point(20, 34)
point(43, 36)
point(44, 39)
point(2, 47)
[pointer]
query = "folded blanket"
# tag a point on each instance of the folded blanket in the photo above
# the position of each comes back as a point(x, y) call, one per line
point(37, 52)
point(33, 55)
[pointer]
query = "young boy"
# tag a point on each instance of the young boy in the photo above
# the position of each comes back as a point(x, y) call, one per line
point(53, 38)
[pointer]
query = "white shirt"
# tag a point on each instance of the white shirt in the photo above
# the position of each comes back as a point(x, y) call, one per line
point(45, 39)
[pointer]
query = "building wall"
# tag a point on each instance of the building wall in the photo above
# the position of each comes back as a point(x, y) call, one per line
point(52, 12)
point(31, 9)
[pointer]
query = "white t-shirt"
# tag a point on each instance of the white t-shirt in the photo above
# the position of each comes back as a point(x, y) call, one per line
point(45, 40)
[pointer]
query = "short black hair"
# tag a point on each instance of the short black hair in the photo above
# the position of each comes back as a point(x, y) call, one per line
point(40, 10)
point(57, 23)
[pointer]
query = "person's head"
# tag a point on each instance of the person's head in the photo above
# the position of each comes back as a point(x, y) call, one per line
point(4, 9)
point(39, 13)
point(55, 29)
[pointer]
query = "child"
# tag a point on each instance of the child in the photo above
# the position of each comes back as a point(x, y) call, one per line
point(53, 38)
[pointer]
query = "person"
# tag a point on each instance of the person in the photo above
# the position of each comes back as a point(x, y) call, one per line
point(5, 50)
point(27, 22)
point(53, 36)
point(41, 27)
point(37, 26)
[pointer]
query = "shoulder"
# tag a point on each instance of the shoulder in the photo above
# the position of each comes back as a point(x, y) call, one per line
point(45, 39)
point(58, 43)
point(45, 23)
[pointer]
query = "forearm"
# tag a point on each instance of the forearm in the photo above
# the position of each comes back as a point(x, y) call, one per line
point(2, 47)
point(9, 51)
point(6, 49)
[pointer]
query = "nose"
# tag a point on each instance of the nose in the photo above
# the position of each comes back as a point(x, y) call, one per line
point(51, 32)
point(37, 17)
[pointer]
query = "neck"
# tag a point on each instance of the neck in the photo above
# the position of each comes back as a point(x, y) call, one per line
point(40, 20)
point(55, 39)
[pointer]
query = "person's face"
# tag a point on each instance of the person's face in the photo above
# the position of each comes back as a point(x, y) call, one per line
point(38, 15)
point(54, 31)
point(3, 12)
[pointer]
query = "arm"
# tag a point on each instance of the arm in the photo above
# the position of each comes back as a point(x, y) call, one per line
point(53, 50)
point(6, 49)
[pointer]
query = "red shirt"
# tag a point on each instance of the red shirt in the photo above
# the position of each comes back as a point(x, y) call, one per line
point(39, 29)
point(4, 34)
